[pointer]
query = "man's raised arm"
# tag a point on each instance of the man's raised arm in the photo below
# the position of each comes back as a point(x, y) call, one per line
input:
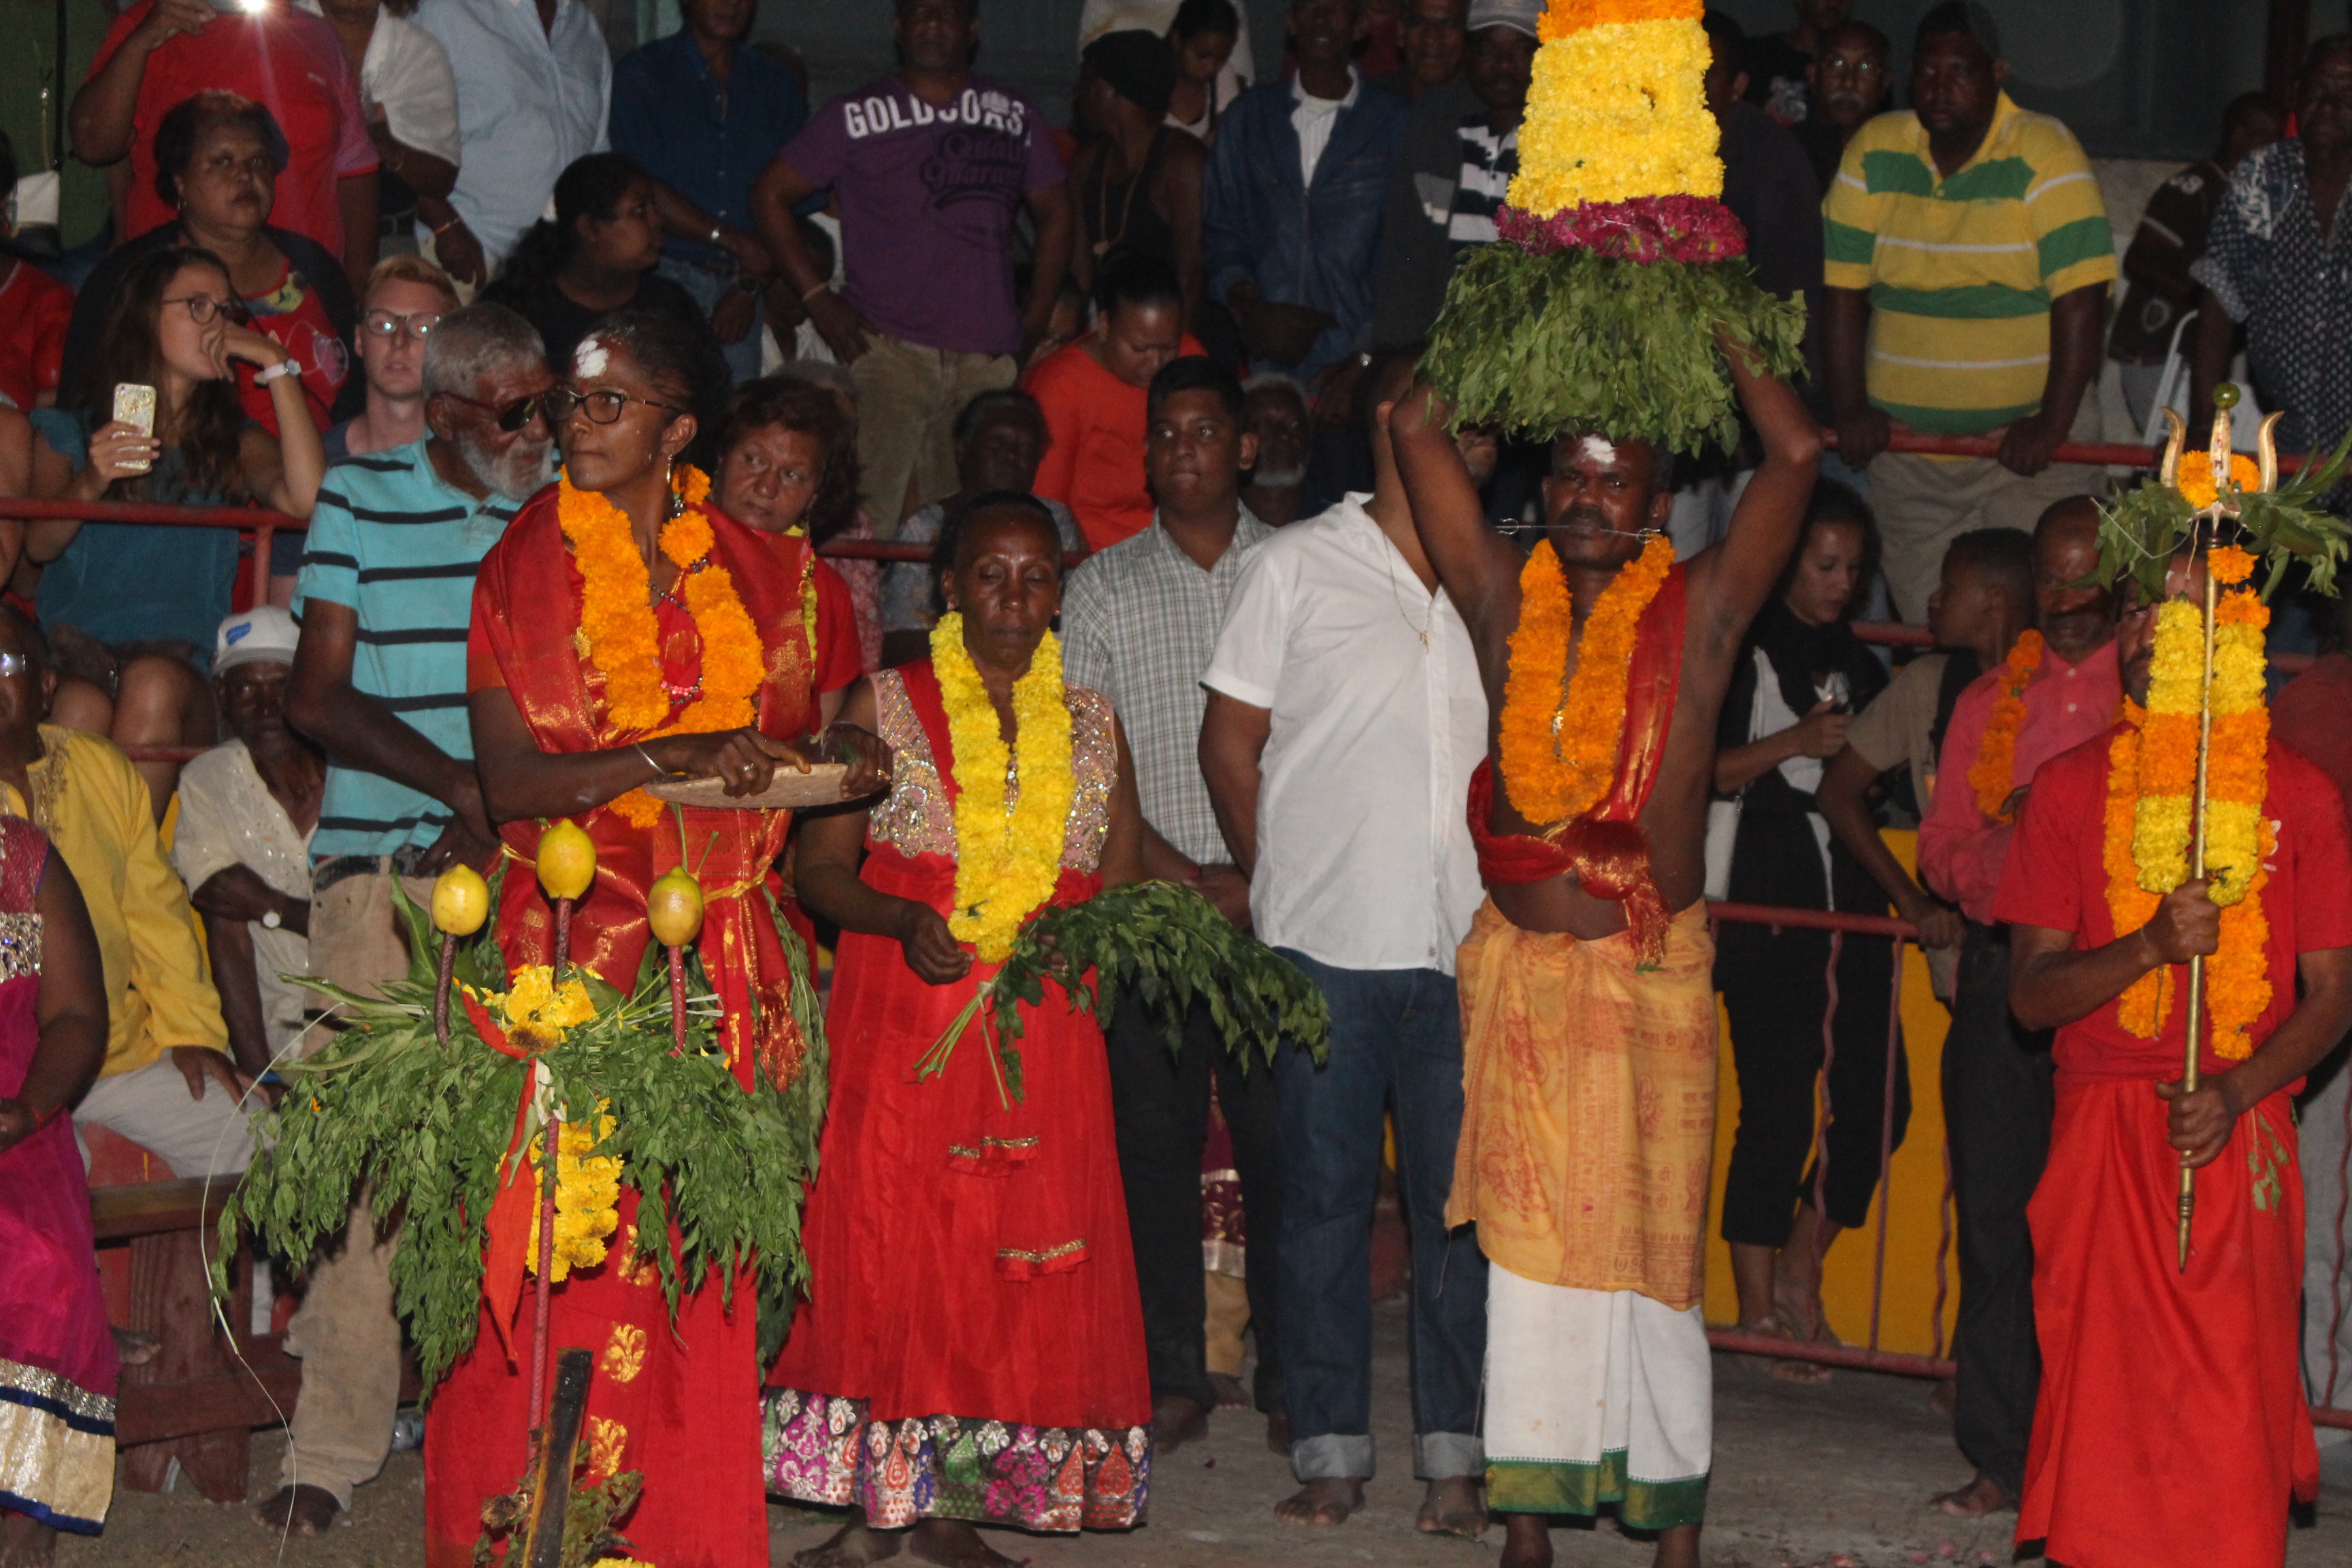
point(1732, 580)
point(1479, 567)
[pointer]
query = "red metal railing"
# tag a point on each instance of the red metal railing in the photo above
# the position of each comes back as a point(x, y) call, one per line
point(1869, 1356)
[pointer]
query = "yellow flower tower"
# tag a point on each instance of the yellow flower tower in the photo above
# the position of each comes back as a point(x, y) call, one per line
point(1618, 263)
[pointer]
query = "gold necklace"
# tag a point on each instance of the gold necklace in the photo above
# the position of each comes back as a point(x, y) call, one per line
point(1397, 593)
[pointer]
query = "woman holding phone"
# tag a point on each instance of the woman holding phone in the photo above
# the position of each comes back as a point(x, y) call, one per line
point(151, 596)
point(1800, 679)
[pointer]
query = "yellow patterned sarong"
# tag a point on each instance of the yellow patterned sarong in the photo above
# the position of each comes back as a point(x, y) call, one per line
point(1589, 1126)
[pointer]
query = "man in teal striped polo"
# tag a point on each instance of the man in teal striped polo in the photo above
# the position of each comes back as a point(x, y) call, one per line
point(1968, 260)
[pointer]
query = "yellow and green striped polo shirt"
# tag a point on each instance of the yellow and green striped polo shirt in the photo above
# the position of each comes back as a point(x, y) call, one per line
point(1962, 271)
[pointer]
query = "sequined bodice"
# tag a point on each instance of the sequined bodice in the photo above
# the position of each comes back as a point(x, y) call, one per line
point(916, 818)
point(24, 851)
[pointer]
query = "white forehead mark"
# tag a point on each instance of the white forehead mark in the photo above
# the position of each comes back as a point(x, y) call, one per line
point(1596, 448)
point(590, 358)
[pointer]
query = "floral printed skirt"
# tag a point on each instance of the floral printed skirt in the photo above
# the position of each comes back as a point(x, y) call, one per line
point(820, 1448)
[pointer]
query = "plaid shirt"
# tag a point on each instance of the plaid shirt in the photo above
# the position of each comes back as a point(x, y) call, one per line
point(1138, 625)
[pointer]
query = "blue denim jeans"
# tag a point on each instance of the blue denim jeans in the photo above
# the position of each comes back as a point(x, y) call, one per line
point(1396, 1045)
point(708, 285)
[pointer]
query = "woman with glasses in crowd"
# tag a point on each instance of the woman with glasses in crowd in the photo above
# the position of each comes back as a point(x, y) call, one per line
point(625, 631)
point(217, 158)
point(133, 607)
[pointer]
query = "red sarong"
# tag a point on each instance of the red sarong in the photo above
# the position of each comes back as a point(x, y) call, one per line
point(679, 1403)
point(2173, 1428)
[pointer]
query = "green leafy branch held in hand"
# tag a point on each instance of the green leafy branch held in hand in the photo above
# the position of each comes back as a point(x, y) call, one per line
point(422, 1131)
point(1173, 946)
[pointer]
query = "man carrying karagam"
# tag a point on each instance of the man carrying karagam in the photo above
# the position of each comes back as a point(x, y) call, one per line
point(1589, 1015)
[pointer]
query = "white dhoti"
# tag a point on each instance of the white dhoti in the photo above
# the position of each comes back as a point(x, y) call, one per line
point(1596, 1396)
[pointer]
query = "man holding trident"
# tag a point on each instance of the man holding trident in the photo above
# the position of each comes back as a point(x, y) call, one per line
point(2183, 852)
point(1587, 1011)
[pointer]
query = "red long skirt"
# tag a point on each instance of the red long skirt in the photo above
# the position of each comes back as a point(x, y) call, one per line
point(973, 1346)
point(2172, 1427)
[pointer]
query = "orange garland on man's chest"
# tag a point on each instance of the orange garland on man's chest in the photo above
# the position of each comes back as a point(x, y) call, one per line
point(1560, 746)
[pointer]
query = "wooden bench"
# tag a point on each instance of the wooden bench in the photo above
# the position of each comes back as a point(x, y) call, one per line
point(199, 1399)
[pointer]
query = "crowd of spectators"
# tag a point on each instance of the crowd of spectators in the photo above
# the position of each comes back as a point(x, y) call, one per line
point(354, 246)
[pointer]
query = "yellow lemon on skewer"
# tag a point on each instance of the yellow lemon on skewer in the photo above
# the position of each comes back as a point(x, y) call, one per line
point(461, 900)
point(567, 860)
point(674, 907)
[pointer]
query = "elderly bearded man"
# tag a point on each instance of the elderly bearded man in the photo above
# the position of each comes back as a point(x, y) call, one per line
point(1585, 980)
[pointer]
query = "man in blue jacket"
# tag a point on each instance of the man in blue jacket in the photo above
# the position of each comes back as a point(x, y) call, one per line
point(1295, 185)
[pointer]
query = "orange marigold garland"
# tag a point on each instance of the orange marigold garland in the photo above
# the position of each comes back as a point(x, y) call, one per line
point(1559, 750)
point(2151, 784)
point(624, 638)
point(1996, 763)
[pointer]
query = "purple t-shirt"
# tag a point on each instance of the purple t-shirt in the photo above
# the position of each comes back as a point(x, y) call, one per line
point(927, 196)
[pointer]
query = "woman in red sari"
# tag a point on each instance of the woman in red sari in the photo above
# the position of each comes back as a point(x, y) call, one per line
point(973, 1346)
point(57, 1359)
point(622, 632)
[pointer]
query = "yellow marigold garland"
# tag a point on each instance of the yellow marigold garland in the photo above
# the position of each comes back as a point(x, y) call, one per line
point(1991, 774)
point(2151, 784)
point(624, 638)
point(587, 1200)
point(1615, 111)
point(1007, 858)
point(1559, 753)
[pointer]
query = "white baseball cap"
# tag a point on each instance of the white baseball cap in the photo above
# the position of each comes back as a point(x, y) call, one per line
point(263, 632)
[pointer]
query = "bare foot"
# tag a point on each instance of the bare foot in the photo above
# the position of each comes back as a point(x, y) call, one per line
point(1781, 1368)
point(1326, 1500)
point(135, 1349)
point(955, 1544)
point(25, 1541)
point(1231, 1394)
point(1176, 1421)
point(1678, 1547)
point(1278, 1433)
point(854, 1546)
point(1979, 1498)
point(303, 1511)
point(1454, 1506)
point(1526, 1541)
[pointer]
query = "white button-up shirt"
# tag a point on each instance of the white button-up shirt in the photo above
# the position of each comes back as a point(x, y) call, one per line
point(1364, 858)
point(529, 100)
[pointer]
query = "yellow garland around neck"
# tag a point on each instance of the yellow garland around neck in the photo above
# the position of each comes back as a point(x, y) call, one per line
point(624, 638)
point(2151, 785)
point(1990, 775)
point(1008, 859)
point(1559, 750)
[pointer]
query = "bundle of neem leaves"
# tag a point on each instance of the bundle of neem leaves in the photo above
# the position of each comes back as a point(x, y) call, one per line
point(423, 1129)
point(1567, 341)
point(1173, 946)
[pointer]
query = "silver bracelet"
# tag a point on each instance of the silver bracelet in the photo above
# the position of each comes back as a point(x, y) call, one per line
point(659, 771)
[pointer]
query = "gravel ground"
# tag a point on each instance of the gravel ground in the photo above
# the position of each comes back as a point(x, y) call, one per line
point(1828, 1477)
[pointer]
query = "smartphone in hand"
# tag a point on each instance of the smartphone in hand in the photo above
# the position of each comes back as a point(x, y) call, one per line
point(135, 405)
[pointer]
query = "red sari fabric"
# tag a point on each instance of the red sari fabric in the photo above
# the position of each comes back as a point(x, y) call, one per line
point(972, 1345)
point(678, 1403)
point(2172, 1427)
point(58, 1365)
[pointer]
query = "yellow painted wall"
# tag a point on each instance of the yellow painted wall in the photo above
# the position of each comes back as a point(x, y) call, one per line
point(1913, 1228)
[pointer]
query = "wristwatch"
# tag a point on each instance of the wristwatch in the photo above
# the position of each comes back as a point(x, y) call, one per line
point(282, 368)
point(272, 921)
